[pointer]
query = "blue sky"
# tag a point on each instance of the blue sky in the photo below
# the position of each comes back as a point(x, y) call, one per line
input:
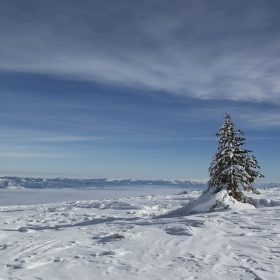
point(136, 89)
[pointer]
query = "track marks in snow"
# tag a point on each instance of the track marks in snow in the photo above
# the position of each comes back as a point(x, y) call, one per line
point(121, 239)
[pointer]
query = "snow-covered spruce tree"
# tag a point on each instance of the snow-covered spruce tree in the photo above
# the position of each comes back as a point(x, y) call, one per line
point(232, 168)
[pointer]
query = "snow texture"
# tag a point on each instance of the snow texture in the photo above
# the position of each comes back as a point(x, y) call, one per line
point(142, 238)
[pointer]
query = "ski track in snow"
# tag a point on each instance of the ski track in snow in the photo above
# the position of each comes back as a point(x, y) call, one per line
point(128, 239)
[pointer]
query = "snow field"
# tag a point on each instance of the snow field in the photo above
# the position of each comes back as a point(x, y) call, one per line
point(141, 238)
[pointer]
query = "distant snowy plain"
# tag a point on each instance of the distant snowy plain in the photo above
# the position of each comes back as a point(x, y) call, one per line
point(9, 197)
point(137, 234)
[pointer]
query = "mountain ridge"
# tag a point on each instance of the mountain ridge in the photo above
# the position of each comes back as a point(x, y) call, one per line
point(38, 183)
point(42, 183)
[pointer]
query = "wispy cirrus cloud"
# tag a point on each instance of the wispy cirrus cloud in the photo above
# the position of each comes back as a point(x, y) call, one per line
point(262, 120)
point(194, 49)
point(65, 139)
point(31, 155)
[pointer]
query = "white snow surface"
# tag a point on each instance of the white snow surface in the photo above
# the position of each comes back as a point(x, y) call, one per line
point(146, 237)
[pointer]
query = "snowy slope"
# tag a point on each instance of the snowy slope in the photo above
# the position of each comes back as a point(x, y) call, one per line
point(134, 238)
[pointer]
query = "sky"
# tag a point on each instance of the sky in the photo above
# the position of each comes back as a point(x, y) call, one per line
point(136, 89)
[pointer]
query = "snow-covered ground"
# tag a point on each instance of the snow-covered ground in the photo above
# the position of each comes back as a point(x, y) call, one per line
point(24, 196)
point(143, 237)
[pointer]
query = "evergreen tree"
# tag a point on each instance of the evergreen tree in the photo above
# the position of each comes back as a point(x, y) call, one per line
point(232, 168)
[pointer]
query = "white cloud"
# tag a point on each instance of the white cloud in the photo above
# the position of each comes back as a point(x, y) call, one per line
point(30, 155)
point(64, 139)
point(236, 78)
point(196, 50)
point(262, 120)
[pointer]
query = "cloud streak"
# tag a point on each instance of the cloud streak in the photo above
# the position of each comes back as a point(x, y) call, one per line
point(191, 49)
point(263, 120)
point(30, 155)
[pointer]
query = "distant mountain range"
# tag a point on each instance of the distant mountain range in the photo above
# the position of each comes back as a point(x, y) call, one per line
point(41, 183)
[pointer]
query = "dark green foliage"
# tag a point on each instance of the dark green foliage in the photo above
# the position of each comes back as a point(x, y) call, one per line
point(232, 168)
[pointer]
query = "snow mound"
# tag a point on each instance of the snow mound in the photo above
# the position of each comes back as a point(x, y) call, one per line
point(209, 202)
point(266, 202)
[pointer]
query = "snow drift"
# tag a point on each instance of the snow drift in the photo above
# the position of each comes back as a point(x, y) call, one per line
point(120, 239)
